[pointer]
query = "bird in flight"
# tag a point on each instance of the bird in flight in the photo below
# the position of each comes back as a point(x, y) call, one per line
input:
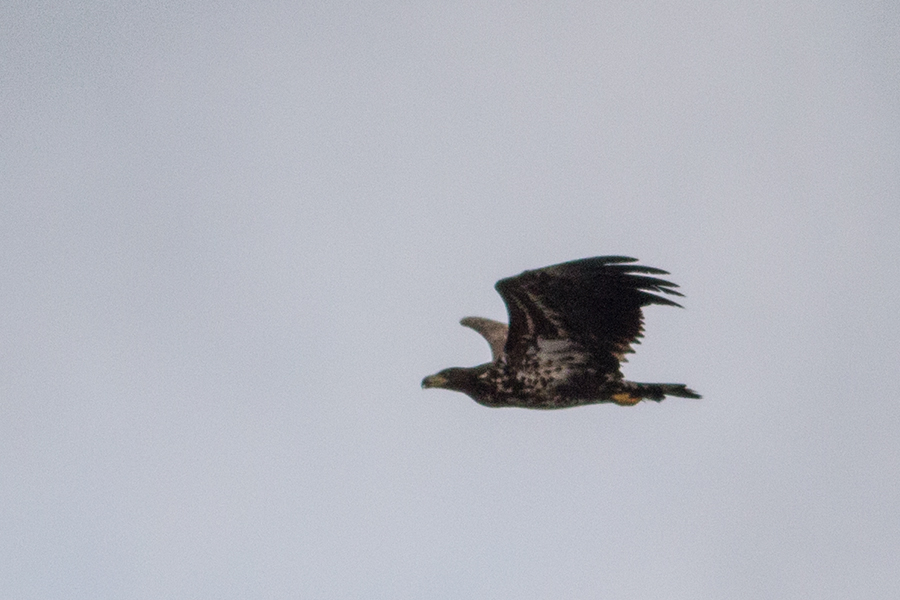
point(570, 327)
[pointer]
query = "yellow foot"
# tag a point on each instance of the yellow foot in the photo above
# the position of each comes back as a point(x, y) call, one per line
point(625, 399)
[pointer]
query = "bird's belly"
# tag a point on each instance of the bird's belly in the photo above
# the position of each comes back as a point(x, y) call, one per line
point(546, 401)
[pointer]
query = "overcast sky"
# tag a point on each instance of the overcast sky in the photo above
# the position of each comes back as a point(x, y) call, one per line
point(235, 236)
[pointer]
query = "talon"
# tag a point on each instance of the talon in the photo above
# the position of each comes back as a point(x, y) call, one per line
point(625, 399)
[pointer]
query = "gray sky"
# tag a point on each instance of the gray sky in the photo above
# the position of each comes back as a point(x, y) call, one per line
point(235, 237)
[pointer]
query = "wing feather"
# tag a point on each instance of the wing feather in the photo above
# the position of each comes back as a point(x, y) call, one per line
point(594, 304)
point(493, 331)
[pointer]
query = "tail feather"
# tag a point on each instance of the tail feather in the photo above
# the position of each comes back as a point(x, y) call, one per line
point(658, 391)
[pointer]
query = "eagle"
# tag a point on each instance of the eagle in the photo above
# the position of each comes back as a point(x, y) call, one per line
point(570, 327)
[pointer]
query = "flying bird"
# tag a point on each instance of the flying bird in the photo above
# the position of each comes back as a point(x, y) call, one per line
point(570, 327)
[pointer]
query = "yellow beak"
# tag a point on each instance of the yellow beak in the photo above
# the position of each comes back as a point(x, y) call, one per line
point(434, 381)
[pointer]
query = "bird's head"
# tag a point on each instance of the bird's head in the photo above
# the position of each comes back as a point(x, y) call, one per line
point(455, 378)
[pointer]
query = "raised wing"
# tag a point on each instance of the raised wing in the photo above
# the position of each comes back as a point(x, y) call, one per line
point(493, 331)
point(590, 306)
